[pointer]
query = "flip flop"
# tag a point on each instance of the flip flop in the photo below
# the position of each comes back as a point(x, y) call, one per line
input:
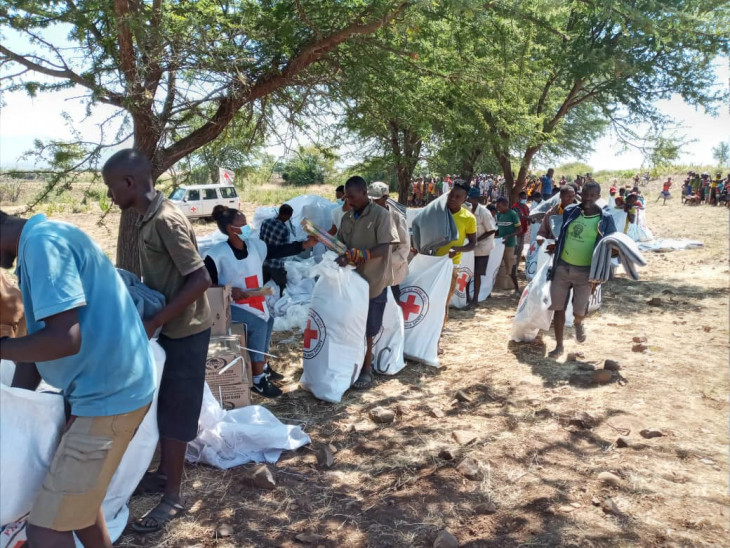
point(364, 381)
point(160, 515)
point(152, 483)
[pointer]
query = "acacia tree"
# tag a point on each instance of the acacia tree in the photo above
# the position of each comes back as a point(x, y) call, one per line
point(178, 72)
point(550, 76)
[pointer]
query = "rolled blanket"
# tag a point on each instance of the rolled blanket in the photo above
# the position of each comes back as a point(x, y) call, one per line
point(628, 252)
point(148, 301)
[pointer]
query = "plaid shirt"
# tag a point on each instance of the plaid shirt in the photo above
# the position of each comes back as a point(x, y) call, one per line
point(274, 232)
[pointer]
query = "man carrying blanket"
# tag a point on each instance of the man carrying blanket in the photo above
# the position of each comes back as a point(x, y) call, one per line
point(86, 337)
point(583, 227)
point(170, 264)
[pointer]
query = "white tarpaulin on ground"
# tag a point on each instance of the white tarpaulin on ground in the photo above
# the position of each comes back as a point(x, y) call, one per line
point(388, 344)
point(248, 434)
point(334, 336)
point(423, 301)
point(464, 275)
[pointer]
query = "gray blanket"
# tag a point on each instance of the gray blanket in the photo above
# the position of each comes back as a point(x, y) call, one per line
point(148, 301)
point(628, 252)
point(434, 227)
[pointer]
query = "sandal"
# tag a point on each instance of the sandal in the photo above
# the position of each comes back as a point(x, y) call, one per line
point(159, 516)
point(555, 354)
point(364, 381)
point(152, 483)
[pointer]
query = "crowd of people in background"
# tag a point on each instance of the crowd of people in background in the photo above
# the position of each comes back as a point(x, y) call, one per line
point(702, 188)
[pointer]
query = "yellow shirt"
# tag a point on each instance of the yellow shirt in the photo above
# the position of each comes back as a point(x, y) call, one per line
point(466, 223)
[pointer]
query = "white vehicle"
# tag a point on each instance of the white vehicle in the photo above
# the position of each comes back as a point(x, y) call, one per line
point(199, 200)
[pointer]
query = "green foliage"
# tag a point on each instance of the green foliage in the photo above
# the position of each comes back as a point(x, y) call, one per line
point(721, 153)
point(571, 169)
point(309, 166)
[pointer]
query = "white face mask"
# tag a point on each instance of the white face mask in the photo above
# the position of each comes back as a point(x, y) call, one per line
point(523, 202)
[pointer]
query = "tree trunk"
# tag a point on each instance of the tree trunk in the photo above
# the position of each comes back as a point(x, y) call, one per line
point(145, 140)
point(468, 163)
point(127, 242)
point(406, 146)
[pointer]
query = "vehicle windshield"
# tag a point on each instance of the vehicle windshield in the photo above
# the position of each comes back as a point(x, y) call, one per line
point(177, 194)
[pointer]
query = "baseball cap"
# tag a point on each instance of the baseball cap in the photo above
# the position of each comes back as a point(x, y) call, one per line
point(474, 193)
point(378, 190)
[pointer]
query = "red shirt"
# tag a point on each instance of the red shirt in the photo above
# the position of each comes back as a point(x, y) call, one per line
point(523, 211)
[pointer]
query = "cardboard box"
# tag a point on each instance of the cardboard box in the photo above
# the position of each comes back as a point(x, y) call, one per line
point(239, 329)
point(219, 299)
point(227, 373)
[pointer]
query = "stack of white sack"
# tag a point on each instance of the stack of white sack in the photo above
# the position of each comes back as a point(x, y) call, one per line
point(628, 254)
point(248, 434)
point(334, 336)
point(315, 208)
point(31, 428)
point(209, 240)
point(291, 310)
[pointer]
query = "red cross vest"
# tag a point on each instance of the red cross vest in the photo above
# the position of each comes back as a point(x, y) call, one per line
point(245, 274)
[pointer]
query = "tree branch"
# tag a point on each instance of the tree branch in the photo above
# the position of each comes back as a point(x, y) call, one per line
point(106, 96)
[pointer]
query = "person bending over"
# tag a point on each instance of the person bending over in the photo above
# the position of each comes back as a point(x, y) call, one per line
point(86, 338)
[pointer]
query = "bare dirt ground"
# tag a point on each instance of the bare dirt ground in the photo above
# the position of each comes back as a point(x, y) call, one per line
point(538, 458)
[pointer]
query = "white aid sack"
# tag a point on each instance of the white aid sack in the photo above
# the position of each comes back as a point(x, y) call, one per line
point(388, 343)
point(135, 461)
point(533, 312)
point(247, 434)
point(423, 302)
point(490, 277)
point(40, 440)
point(31, 429)
point(334, 336)
point(464, 274)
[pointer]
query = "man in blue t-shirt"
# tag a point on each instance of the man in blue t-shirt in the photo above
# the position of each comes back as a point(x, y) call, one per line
point(87, 339)
point(546, 182)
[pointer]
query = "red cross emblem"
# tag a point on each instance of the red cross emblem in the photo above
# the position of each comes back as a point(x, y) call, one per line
point(193, 209)
point(314, 335)
point(310, 335)
point(462, 281)
point(414, 305)
point(252, 282)
point(409, 306)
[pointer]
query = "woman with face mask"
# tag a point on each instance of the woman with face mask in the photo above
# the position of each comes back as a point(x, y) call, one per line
point(239, 261)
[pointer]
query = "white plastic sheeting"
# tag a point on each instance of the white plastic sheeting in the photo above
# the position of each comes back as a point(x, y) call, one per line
point(334, 336)
point(248, 434)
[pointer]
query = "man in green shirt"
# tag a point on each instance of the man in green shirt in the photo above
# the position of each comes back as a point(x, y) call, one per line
point(583, 227)
point(508, 228)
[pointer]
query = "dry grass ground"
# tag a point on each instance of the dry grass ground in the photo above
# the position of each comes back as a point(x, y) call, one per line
point(538, 482)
